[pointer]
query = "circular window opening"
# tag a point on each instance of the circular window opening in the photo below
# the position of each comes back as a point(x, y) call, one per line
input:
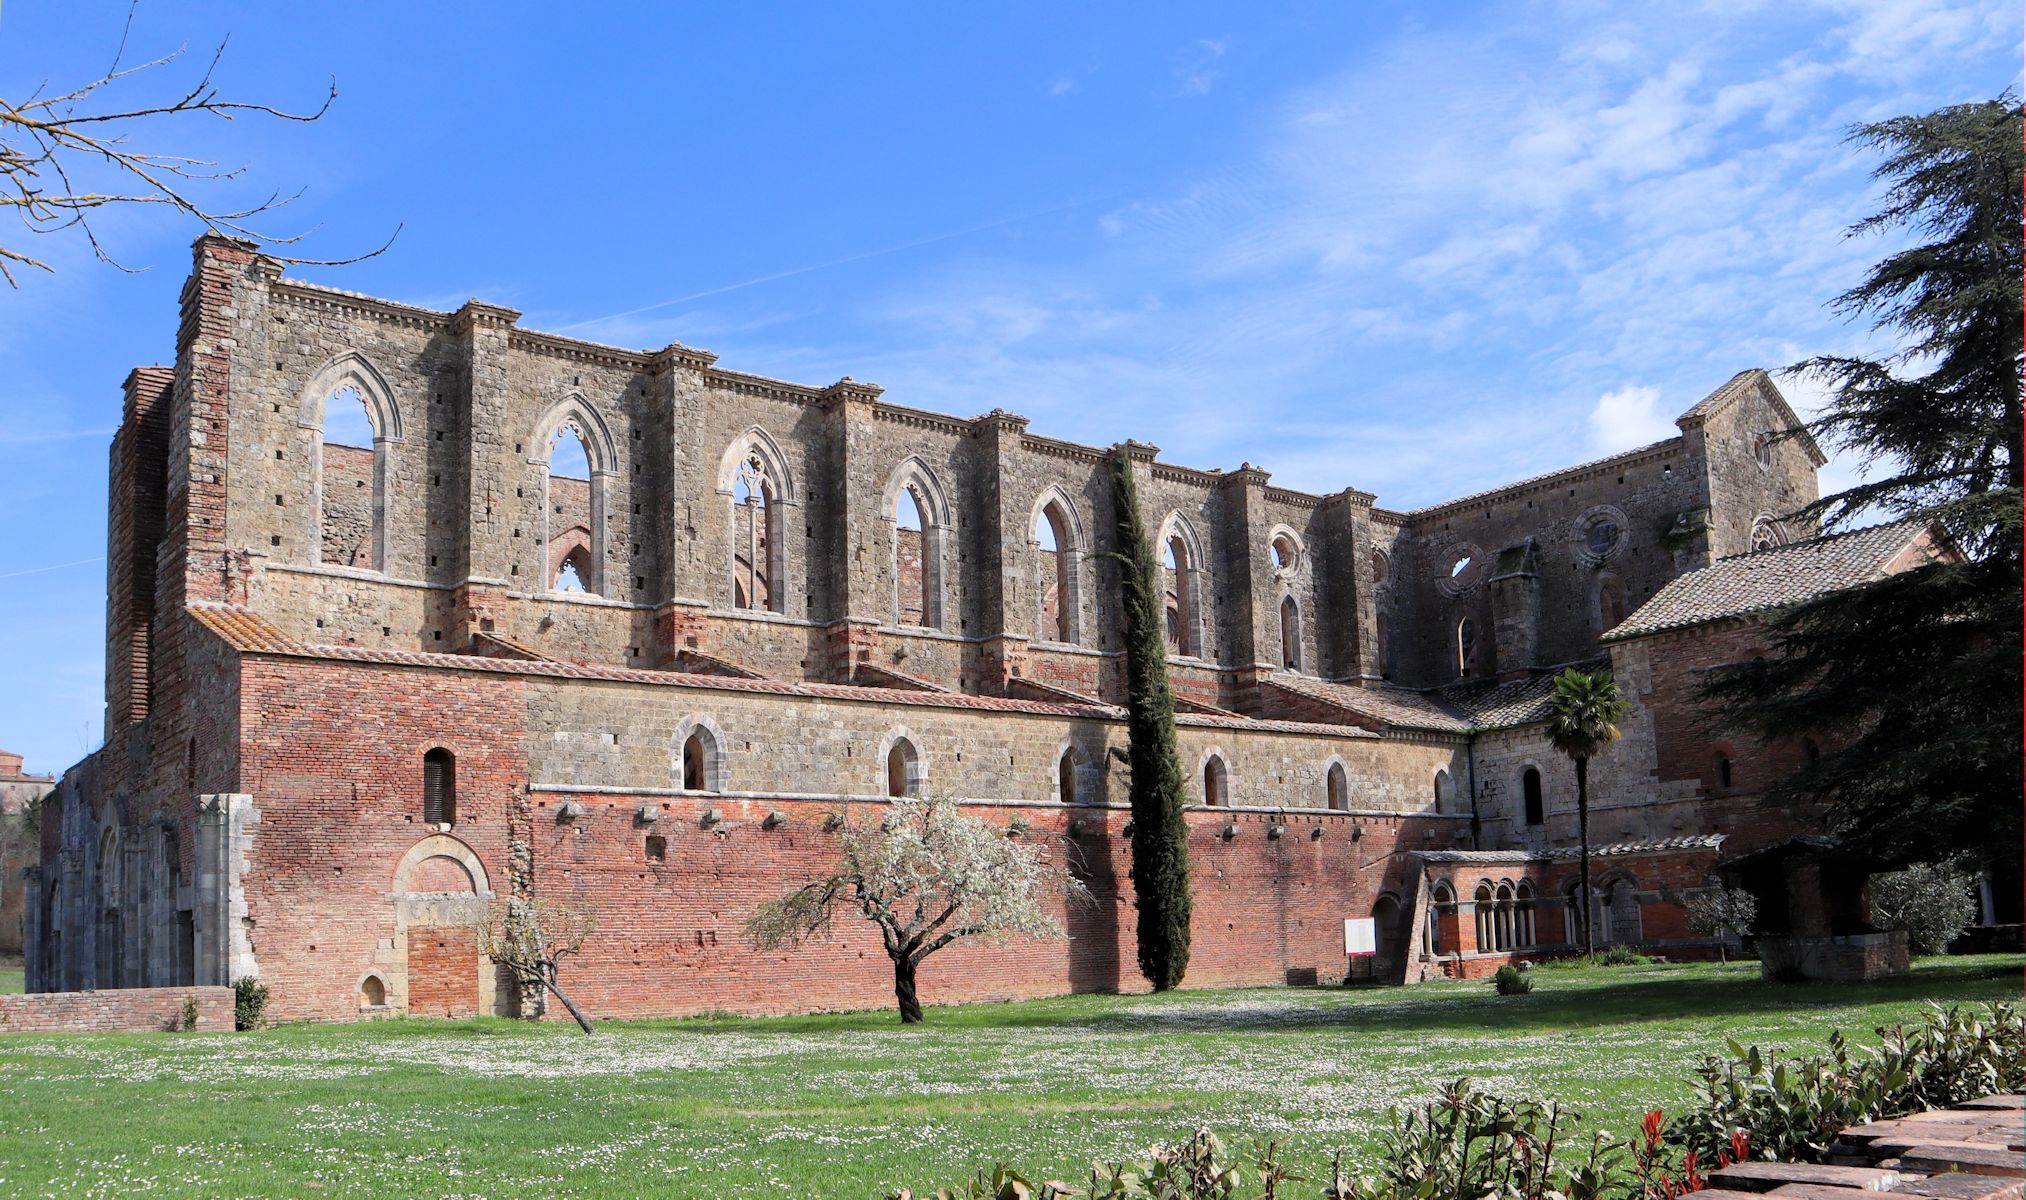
point(1286, 555)
point(1602, 536)
point(1762, 450)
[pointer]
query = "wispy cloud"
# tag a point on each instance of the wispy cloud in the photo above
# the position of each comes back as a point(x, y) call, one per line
point(1199, 69)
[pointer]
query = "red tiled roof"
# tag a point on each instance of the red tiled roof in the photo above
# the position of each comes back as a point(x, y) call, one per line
point(249, 632)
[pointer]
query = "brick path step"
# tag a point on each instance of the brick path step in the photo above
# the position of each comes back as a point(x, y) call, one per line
point(1765, 1176)
point(1960, 1187)
point(2014, 1103)
point(1935, 1159)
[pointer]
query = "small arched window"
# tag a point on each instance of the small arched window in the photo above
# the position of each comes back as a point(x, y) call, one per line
point(439, 787)
point(1466, 645)
point(1442, 790)
point(1338, 789)
point(903, 769)
point(1811, 752)
point(1530, 790)
point(1216, 780)
point(372, 993)
point(1523, 916)
point(1720, 769)
point(575, 569)
point(1487, 915)
point(1065, 777)
point(1290, 634)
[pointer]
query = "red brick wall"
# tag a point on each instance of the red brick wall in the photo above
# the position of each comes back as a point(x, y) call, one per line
point(128, 1009)
point(442, 972)
point(1687, 751)
point(337, 782)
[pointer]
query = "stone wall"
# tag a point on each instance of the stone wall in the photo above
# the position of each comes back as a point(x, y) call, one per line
point(125, 1010)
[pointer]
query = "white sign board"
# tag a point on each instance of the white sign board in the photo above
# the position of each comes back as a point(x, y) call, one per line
point(1360, 936)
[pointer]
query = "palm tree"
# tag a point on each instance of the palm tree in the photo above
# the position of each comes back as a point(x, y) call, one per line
point(1587, 709)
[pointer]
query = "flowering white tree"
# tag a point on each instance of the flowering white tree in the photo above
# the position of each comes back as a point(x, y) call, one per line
point(926, 874)
point(1722, 913)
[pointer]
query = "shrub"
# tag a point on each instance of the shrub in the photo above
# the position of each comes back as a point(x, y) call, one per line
point(189, 1013)
point(249, 1003)
point(1795, 1107)
point(1511, 981)
point(1722, 913)
point(1932, 902)
point(1623, 956)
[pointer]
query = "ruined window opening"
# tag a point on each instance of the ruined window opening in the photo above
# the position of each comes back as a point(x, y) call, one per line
point(571, 490)
point(1810, 751)
point(755, 533)
point(912, 547)
point(1610, 602)
point(1216, 781)
point(1286, 554)
point(576, 566)
point(1056, 588)
point(372, 993)
point(350, 523)
point(1290, 634)
point(1380, 568)
point(1530, 789)
point(1065, 777)
point(1337, 789)
point(903, 769)
point(1602, 536)
point(1179, 601)
point(1466, 646)
point(1766, 535)
point(1442, 790)
point(1721, 768)
point(657, 848)
point(439, 787)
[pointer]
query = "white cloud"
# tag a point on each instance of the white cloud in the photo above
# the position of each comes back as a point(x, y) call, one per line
point(1628, 418)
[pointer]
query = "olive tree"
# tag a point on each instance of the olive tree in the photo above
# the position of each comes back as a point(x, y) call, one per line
point(530, 938)
point(1932, 902)
point(926, 874)
point(1722, 913)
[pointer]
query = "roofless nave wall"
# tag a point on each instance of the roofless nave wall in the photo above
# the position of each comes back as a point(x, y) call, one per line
point(769, 522)
point(407, 607)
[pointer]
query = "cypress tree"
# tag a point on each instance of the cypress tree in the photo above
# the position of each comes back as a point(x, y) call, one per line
point(1160, 836)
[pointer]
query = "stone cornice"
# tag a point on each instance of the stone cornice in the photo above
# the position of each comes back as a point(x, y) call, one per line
point(307, 295)
point(675, 354)
point(1644, 456)
point(760, 385)
point(1049, 447)
point(576, 351)
point(919, 419)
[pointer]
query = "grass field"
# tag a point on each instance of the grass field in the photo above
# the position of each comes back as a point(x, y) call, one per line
point(852, 1104)
point(10, 976)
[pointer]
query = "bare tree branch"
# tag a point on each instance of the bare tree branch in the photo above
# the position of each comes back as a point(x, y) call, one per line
point(47, 142)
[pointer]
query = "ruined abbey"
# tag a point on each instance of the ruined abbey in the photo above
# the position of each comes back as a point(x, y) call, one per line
point(410, 608)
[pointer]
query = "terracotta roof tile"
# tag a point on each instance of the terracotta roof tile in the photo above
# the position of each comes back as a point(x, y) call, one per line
point(249, 632)
point(1703, 841)
point(1384, 704)
point(1769, 579)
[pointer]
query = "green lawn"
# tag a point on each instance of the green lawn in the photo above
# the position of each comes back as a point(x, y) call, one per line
point(851, 1104)
point(10, 976)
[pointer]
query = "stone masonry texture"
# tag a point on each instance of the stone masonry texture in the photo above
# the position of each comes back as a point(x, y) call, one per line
point(731, 579)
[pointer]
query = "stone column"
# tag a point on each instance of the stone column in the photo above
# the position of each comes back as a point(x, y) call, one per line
point(1007, 608)
point(859, 556)
point(224, 949)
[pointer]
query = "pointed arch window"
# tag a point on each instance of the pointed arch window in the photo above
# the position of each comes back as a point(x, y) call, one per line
point(1058, 561)
point(1466, 646)
point(1065, 777)
point(755, 533)
point(919, 518)
point(573, 497)
point(1610, 602)
point(1182, 587)
point(699, 756)
point(1337, 788)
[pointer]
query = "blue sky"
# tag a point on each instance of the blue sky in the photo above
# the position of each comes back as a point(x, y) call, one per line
point(1417, 249)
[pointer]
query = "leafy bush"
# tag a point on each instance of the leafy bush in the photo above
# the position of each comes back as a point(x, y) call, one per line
point(189, 1013)
point(1511, 981)
point(1623, 956)
point(1795, 1107)
point(1932, 902)
point(249, 1003)
point(1468, 1143)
